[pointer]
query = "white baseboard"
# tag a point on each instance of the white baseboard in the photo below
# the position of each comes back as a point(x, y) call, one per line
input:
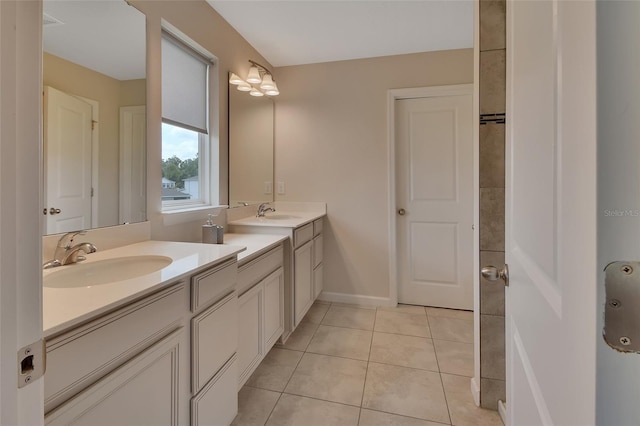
point(475, 391)
point(502, 410)
point(354, 299)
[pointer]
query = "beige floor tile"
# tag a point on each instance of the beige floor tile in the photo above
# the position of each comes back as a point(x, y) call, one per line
point(378, 418)
point(300, 338)
point(329, 378)
point(449, 313)
point(293, 410)
point(254, 406)
point(343, 316)
point(339, 341)
point(405, 391)
point(454, 329)
point(406, 351)
point(407, 309)
point(455, 357)
point(316, 313)
point(402, 323)
point(463, 410)
point(351, 305)
point(275, 370)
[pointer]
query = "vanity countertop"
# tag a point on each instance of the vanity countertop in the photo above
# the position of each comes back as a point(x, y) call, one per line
point(67, 307)
point(256, 244)
point(280, 219)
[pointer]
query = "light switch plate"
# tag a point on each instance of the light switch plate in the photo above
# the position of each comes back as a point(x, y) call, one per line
point(281, 188)
point(268, 187)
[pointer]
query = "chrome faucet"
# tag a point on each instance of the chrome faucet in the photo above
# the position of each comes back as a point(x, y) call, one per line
point(262, 209)
point(67, 253)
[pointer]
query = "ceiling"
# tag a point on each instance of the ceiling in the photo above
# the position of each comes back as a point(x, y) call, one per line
point(294, 32)
point(107, 36)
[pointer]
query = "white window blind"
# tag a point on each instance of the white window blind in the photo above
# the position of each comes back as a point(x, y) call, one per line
point(184, 85)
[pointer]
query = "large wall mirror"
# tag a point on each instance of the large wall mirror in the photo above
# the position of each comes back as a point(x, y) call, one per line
point(251, 135)
point(94, 120)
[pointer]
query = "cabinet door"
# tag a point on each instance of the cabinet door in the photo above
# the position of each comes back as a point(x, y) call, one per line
point(217, 403)
point(303, 280)
point(250, 331)
point(273, 308)
point(317, 250)
point(318, 281)
point(143, 391)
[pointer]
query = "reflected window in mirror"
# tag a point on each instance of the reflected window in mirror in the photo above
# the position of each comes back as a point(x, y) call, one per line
point(94, 114)
point(186, 152)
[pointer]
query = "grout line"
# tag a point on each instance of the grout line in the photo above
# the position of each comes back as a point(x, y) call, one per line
point(345, 327)
point(404, 415)
point(320, 399)
point(337, 356)
point(273, 409)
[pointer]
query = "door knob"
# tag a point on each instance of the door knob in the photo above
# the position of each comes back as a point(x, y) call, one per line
point(402, 212)
point(492, 273)
point(53, 211)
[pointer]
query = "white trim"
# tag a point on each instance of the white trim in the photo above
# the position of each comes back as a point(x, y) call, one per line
point(95, 156)
point(392, 96)
point(475, 391)
point(355, 299)
point(502, 410)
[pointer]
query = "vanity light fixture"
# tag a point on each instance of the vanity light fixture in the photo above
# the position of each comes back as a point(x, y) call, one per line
point(259, 82)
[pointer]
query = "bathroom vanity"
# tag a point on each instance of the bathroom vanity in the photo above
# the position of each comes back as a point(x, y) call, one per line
point(163, 347)
point(302, 223)
point(168, 332)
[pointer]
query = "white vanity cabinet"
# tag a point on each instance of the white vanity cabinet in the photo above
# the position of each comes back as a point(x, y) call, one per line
point(260, 309)
point(303, 262)
point(168, 358)
point(129, 366)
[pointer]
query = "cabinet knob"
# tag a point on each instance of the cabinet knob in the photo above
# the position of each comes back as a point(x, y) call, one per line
point(402, 212)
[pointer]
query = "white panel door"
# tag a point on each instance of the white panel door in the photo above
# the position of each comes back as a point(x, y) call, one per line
point(434, 198)
point(67, 144)
point(550, 213)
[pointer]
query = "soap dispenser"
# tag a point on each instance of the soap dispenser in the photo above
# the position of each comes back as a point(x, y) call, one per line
point(209, 232)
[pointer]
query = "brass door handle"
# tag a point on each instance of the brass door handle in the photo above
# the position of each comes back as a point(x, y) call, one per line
point(53, 211)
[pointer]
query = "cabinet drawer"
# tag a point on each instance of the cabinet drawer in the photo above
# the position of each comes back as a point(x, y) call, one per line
point(317, 226)
point(212, 284)
point(78, 358)
point(217, 403)
point(303, 234)
point(144, 391)
point(214, 339)
point(252, 272)
point(317, 251)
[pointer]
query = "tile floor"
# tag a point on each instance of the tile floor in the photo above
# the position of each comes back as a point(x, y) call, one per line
point(346, 365)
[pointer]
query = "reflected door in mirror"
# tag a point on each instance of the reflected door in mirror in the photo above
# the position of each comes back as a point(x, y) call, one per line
point(67, 139)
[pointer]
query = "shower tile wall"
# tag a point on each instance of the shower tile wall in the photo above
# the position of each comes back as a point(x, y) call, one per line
point(492, 138)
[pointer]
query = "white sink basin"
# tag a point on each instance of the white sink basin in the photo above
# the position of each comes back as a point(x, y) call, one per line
point(280, 217)
point(105, 271)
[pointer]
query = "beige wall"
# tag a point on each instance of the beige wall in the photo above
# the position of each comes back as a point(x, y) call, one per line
point(111, 94)
point(206, 27)
point(331, 145)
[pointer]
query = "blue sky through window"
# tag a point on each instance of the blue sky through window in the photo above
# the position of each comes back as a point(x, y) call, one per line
point(179, 142)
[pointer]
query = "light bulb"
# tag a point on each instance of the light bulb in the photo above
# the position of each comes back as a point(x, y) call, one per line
point(256, 92)
point(254, 75)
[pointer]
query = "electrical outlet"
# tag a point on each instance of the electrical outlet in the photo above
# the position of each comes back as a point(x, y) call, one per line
point(281, 188)
point(268, 187)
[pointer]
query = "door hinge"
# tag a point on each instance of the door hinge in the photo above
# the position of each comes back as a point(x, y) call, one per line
point(32, 363)
point(93, 124)
point(92, 191)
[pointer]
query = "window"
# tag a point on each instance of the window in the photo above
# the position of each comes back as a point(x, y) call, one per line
point(186, 150)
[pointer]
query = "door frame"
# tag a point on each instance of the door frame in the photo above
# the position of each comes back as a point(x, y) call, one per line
point(426, 92)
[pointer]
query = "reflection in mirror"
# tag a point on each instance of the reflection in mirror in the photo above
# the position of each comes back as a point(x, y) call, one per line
point(250, 148)
point(94, 120)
